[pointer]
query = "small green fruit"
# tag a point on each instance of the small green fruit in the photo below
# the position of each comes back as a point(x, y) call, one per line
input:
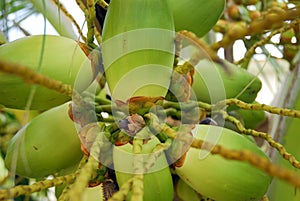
point(221, 179)
point(198, 16)
point(158, 183)
point(46, 145)
point(212, 83)
point(57, 57)
point(138, 48)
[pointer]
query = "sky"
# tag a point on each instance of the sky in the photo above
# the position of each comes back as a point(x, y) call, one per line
point(35, 23)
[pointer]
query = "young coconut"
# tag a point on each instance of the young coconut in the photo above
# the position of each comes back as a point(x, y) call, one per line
point(138, 48)
point(238, 83)
point(220, 179)
point(198, 16)
point(56, 57)
point(46, 145)
point(158, 184)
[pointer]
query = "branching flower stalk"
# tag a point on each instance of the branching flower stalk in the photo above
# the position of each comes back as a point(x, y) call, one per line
point(85, 174)
point(255, 160)
point(265, 40)
point(242, 129)
point(282, 151)
point(207, 49)
point(82, 179)
point(64, 194)
point(123, 191)
point(97, 35)
point(61, 22)
point(64, 10)
point(240, 155)
point(103, 4)
point(32, 77)
point(267, 108)
point(280, 111)
point(16, 191)
point(90, 16)
point(236, 30)
point(81, 5)
point(138, 164)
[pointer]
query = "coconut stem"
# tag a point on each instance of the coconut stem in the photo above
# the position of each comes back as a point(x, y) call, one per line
point(264, 198)
point(64, 10)
point(90, 16)
point(64, 195)
point(123, 191)
point(243, 155)
point(83, 179)
point(282, 151)
point(267, 108)
point(207, 49)
point(32, 77)
point(36, 187)
point(138, 178)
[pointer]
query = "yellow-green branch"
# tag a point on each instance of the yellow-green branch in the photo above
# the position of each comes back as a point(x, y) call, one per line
point(123, 191)
point(32, 77)
point(267, 108)
point(282, 151)
point(64, 10)
point(82, 180)
point(242, 155)
point(16, 191)
point(138, 178)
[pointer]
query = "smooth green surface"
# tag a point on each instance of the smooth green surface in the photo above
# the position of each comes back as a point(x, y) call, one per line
point(158, 183)
point(46, 145)
point(198, 16)
point(213, 83)
point(138, 48)
point(60, 58)
point(185, 193)
point(221, 179)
